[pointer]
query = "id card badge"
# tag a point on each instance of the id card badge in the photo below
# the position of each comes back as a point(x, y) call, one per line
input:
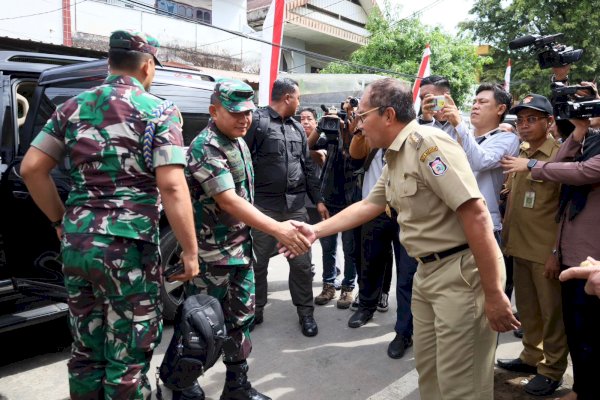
point(529, 199)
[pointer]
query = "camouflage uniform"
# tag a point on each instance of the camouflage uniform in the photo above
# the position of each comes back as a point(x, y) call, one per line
point(110, 245)
point(217, 163)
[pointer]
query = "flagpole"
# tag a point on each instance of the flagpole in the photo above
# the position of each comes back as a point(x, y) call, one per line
point(270, 55)
point(424, 71)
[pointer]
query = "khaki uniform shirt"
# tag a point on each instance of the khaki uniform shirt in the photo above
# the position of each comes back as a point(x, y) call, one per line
point(530, 229)
point(426, 178)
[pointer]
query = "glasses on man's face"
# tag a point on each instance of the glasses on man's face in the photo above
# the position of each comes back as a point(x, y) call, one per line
point(532, 119)
point(361, 116)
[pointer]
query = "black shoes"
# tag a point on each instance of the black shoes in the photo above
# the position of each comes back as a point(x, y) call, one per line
point(193, 392)
point(516, 365)
point(359, 318)
point(398, 346)
point(309, 325)
point(383, 305)
point(541, 386)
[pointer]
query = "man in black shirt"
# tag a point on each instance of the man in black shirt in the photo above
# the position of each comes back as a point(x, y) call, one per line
point(284, 175)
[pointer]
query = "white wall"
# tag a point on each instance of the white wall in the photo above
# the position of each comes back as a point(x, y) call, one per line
point(296, 62)
point(100, 18)
point(45, 27)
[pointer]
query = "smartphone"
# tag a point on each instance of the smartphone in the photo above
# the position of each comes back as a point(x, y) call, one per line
point(438, 102)
point(173, 270)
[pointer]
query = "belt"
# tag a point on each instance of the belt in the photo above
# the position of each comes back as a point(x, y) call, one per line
point(442, 254)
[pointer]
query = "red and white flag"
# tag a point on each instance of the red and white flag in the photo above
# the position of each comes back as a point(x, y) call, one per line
point(424, 71)
point(507, 77)
point(269, 65)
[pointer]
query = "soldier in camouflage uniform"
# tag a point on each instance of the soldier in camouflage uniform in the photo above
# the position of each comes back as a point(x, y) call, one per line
point(109, 223)
point(221, 181)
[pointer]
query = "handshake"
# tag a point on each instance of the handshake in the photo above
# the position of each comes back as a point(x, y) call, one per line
point(295, 238)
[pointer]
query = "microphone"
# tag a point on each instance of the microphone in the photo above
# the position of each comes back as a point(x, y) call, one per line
point(324, 108)
point(523, 41)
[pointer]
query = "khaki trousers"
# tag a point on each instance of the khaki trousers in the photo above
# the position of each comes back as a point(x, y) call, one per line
point(453, 342)
point(540, 310)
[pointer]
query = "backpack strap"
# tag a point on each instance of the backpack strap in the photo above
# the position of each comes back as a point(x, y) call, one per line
point(164, 108)
point(369, 159)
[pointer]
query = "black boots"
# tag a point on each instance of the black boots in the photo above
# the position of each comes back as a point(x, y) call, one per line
point(237, 386)
point(193, 392)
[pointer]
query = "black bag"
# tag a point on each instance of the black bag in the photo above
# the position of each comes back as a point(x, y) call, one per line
point(197, 342)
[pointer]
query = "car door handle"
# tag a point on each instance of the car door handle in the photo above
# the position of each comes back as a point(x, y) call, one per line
point(20, 195)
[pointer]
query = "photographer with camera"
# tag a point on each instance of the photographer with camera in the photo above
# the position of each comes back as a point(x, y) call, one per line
point(338, 190)
point(577, 168)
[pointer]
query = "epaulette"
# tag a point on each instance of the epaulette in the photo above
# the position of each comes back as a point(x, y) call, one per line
point(416, 139)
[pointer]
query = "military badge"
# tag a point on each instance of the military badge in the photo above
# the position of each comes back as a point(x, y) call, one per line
point(438, 167)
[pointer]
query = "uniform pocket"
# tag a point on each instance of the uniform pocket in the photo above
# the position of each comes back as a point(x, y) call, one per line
point(409, 200)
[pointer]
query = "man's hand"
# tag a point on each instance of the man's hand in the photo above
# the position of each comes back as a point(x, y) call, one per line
point(451, 112)
point(59, 233)
point(581, 128)
point(307, 231)
point(427, 108)
point(499, 312)
point(323, 211)
point(552, 267)
point(514, 164)
point(192, 268)
point(590, 272)
point(292, 238)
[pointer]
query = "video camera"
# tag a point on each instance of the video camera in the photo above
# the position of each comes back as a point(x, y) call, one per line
point(570, 103)
point(550, 53)
point(332, 123)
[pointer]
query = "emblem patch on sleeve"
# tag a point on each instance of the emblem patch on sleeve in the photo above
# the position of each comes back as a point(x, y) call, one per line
point(438, 167)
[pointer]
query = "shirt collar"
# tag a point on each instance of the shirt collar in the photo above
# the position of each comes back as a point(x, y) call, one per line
point(403, 135)
point(274, 114)
point(546, 147)
point(124, 80)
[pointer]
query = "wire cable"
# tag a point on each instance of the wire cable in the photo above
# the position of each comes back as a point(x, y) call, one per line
point(40, 13)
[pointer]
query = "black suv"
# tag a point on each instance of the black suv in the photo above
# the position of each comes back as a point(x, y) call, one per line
point(31, 86)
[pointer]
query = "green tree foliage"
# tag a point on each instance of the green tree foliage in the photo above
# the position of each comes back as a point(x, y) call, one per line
point(497, 22)
point(398, 46)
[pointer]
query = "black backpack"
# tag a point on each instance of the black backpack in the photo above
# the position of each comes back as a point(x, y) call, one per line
point(197, 342)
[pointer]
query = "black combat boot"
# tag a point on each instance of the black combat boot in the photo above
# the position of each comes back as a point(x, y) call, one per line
point(193, 392)
point(237, 386)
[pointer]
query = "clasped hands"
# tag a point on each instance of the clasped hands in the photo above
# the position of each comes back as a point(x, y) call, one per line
point(297, 238)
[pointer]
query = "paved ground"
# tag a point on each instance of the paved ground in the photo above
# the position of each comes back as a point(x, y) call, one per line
point(340, 362)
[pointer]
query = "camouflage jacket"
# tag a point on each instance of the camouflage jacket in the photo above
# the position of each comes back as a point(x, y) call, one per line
point(216, 164)
point(100, 133)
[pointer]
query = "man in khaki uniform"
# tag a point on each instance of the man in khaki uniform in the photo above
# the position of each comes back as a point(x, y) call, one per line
point(529, 235)
point(458, 298)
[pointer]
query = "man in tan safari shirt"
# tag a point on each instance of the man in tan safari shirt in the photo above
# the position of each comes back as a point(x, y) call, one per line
point(458, 298)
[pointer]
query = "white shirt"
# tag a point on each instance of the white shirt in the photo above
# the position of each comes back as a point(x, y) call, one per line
point(373, 173)
point(484, 158)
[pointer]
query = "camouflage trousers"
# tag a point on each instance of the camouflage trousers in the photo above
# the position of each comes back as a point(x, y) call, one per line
point(233, 286)
point(113, 287)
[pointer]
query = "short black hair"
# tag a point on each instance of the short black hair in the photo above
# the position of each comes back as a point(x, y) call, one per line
point(310, 110)
point(500, 95)
point(389, 92)
point(281, 87)
point(437, 81)
point(126, 60)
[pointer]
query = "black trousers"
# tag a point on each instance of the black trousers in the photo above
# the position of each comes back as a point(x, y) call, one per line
point(581, 314)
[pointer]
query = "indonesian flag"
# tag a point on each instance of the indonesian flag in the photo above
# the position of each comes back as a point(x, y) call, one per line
point(269, 65)
point(424, 71)
point(507, 77)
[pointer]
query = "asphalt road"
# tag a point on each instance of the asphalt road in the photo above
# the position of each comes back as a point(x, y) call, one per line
point(340, 362)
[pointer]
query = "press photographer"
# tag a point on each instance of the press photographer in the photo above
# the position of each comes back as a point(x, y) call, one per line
point(338, 184)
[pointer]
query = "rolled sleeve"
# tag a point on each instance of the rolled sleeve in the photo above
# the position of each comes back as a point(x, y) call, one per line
point(168, 141)
point(168, 155)
point(50, 145)
point(209, 166)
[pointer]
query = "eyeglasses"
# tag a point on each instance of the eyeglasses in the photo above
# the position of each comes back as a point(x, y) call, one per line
point(361, 115)
point(532, 119)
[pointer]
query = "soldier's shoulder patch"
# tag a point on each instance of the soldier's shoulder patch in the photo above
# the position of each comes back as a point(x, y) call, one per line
point(415, 139)
point(438, 167)
point(428, 152)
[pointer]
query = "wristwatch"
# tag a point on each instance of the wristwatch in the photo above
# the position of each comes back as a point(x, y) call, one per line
point(531, 163)
point(56, 224)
